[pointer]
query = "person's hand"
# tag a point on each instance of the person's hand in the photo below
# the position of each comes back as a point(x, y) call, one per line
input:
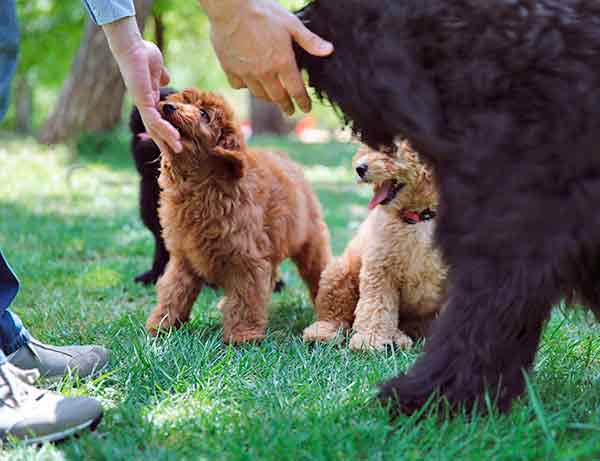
point(141, 65)
point(253, 41)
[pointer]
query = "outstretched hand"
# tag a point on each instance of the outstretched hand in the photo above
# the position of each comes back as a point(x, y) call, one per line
point(253, 41)
point(142, 68)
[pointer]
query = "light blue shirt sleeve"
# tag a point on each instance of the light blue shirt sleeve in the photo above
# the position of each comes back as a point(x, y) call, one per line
point(105, 11)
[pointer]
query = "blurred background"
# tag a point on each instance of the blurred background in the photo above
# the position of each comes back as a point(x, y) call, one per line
point(68, 85)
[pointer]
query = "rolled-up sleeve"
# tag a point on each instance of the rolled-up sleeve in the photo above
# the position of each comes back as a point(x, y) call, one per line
point(105, 11)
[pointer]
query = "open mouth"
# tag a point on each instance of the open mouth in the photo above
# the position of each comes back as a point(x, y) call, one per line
point(385, 192)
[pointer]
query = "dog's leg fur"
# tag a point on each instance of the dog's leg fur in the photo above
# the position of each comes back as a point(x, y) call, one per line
point(244, 305)
point(376, 323)
point(336, 301)
point(149, 197)
point(311, 261)
point(485, 339)
point(177, 290)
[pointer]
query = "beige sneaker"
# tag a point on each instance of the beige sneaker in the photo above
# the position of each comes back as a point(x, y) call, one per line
point(54, 362)
point(40, 416)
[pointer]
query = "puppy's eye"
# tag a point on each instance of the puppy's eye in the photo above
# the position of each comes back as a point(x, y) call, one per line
point(205, 115)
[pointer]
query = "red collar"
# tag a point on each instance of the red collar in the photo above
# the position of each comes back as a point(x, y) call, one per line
point(414, 217)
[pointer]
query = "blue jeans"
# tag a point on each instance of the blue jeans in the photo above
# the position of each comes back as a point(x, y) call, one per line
point(12, 333)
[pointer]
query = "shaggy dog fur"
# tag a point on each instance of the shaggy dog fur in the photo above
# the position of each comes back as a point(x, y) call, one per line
point(389, 280)
point(501, 97)
point(230, 215)
point(146, 155)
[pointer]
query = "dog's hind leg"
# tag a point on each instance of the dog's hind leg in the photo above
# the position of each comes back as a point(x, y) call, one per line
point(176, 290)
point(336, 301)
point(311, 261)
point(485, 339)
point(149, 198)
point(244, 305)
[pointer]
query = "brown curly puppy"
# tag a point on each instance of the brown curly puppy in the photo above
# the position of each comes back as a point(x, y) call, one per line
point(389, 281)
point(230, 215)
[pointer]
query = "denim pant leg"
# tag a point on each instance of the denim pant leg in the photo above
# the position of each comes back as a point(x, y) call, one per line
point(9, 49)
point(13, 334)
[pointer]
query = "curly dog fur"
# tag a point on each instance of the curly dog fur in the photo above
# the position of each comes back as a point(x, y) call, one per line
point(389, 280)
point(501, 98)
point(230, 215)
point(146, 155)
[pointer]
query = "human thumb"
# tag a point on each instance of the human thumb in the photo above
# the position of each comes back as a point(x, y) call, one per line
point(312, 43)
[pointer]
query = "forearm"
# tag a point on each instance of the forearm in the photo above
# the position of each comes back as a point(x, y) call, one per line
point(123, 36)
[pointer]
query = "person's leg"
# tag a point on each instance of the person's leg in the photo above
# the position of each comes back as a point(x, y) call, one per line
point(15, 342)
point(25, 352)
point(9, 48)
point(27, 412)
point(13, 334)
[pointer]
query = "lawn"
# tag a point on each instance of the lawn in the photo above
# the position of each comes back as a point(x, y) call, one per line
point(69, 225)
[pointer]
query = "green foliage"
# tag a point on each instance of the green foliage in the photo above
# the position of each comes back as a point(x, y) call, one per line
point(50, 34)
point(51, 31)
point(73, 234)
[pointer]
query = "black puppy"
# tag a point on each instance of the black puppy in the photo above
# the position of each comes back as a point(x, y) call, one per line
point(503, 99)
point(146, 156)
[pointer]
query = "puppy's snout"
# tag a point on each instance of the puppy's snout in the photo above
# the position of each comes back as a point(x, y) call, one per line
point(361, 170)
point(169, 108)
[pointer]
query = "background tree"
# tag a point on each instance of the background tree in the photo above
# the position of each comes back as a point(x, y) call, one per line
point(92, 96)
point(266, 118)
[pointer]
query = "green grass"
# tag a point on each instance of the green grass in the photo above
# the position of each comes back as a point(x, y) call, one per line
point(69, 225)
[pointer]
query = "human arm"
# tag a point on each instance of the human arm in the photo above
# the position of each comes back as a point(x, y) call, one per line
point(253, 41)
point(140, 63)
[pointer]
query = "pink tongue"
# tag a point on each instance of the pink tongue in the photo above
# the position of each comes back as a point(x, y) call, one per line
point(143, 136)
point(380, 195)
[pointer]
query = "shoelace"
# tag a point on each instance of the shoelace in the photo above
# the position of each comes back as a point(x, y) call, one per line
point(17, 381)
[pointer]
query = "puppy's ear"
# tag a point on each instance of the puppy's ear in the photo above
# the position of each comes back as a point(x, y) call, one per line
point(234, 159)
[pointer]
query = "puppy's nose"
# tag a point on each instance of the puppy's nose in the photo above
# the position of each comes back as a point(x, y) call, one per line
point(169, 108)
point(361, 170)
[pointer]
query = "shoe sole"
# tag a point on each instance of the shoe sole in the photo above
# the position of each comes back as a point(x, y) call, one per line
point(58, 437)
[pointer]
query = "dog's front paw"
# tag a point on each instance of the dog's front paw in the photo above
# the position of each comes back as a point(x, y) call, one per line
point(323, 330)
point(162, 322)
point(362, 341)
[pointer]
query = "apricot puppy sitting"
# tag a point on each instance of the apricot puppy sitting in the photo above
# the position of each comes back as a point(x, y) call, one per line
point(388, 282)
point(230, 216)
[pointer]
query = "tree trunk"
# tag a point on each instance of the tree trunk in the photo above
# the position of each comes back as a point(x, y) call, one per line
point(266, 118)
point(23, 105)
point(159, 32)
point(92, 96)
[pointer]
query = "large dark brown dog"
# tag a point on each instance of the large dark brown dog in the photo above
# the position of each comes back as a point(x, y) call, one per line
point(503, 99)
